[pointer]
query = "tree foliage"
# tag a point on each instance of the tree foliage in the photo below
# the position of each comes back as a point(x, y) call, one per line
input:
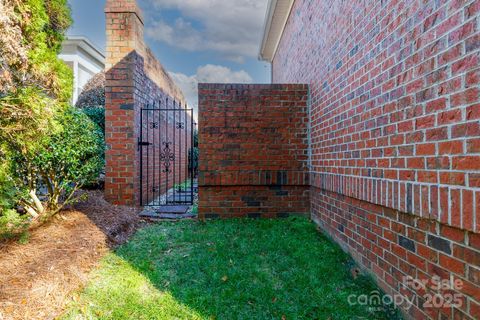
point(31, 38)
point(93, 94)
point(34, 83)
point(47, 149)
point(193, 155)
point(97, 115)
point(92, 99)
point(64, 162)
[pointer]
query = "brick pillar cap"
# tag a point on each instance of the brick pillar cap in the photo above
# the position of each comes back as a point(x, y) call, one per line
point(124, 6)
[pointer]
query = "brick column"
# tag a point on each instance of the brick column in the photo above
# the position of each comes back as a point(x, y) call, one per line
point(124, 30)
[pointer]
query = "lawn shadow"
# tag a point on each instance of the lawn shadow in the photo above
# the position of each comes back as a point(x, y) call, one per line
point(250, 269)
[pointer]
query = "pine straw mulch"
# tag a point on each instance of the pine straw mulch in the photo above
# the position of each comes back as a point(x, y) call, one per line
point(37, 278)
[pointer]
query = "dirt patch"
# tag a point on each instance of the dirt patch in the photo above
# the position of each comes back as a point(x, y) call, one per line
point(36, 278)
point(117, 222)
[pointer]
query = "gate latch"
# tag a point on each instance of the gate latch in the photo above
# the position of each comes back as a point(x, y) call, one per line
point(143, 143)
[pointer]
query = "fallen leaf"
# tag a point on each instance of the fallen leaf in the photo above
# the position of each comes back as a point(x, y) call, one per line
point(355, 272)
point(224, 278)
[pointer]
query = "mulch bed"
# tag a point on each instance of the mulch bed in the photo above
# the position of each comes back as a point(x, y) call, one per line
point(37, 278)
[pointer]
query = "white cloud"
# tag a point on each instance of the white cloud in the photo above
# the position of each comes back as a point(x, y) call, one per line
point(213, 73)
point(207, 74)
point(231, 28)
point(191, 39)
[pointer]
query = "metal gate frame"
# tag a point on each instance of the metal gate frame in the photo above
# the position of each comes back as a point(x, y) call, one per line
point(158, 146)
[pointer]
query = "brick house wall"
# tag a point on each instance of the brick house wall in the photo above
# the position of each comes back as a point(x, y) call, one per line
point(253, 150)
point(395, 136)
point(134, 79)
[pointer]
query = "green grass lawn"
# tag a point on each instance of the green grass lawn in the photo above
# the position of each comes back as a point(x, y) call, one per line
point(234, 269)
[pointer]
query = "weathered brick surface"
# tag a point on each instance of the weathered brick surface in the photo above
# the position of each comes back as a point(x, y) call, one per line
point(395, 99)
point(253, 150)
point(393, 245)
point(253, 201)
point(134, 78)
point(394, 134)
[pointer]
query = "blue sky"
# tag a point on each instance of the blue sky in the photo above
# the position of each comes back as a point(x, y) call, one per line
point(196, 40)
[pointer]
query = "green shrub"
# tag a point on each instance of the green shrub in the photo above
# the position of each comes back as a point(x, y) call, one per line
point(65, 161)
point(31, 38)
point(43, 145)
point(193, 162)
point(7, 190)
point(12, 223)
point(71, 158)
point(92, 99)
point(93, 93)
point(97, 115)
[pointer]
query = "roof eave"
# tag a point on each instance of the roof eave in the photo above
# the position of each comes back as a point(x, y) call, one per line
point(276, 18)
point(266, 30)
point(86, 45)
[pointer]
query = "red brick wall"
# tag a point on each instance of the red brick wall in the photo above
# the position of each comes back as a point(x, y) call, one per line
point(394, 246)
point(395, 99)
point(134, 78)
point(253, 150)
point(395, 133)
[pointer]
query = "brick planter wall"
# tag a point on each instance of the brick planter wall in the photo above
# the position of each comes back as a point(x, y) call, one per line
point(134, 78)
point(253, 150)
point(395, 136)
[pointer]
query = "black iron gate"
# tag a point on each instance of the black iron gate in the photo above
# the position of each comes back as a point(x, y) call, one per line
point(166, 149)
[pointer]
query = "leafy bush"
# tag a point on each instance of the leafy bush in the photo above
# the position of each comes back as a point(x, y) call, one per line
point(12, 223)
point(46, 180)
point(31, 38)
point(193, 161)
point(71, 158)
point(92, 100)
point(93, 94)
point(34, 83)
point(97, 115)
point(193, 164)
point(35, 90)
point(7, 190)
point(25, 117)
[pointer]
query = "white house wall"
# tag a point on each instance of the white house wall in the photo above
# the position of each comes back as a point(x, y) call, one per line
point(83, 64)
